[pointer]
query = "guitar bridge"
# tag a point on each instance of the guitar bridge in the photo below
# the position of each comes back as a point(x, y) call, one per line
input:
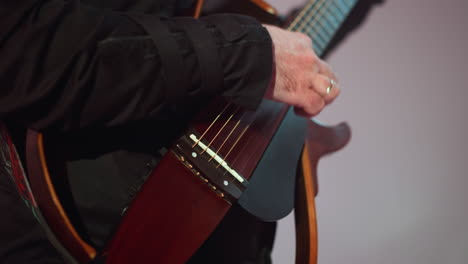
point(210, 167)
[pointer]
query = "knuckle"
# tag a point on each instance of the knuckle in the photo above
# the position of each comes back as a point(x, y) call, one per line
point(315, 112)
point(320, 106)
point(310, 58)
point(301, 35)
point(316, 105)
point(324, 81)
point(304, 39)
point(318, 84)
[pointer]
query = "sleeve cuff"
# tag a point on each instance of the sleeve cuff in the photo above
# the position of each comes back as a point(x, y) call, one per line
point(245, 49)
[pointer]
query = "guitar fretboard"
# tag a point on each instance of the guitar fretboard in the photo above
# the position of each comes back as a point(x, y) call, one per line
point(321, 19)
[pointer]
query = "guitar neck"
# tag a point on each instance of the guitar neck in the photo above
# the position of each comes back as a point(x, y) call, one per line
point(321, 19)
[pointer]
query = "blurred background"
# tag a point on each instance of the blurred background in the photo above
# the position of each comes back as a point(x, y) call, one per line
point(398, 192)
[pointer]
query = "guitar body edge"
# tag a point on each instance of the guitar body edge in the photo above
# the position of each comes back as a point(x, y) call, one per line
point(49, 202)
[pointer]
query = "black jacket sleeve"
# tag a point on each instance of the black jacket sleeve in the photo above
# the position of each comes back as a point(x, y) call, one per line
point(67, 66)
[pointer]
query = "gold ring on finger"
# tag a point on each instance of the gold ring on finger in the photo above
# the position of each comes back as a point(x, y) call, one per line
point(330, 87)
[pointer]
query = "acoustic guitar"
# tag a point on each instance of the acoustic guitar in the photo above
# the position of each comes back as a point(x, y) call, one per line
point(209, 167)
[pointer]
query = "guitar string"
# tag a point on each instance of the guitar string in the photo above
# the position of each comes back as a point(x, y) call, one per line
point(336, 16)
point(219, 131)
point(326, 13)
point(336, 12)
point(339, 7)
point(232, 147)
point(328, 33)
point(301, 14)
point(310, 15)
point(322, 22)
point(226, 139)
point(323, 14)
point(209, 127)
point(318, 15)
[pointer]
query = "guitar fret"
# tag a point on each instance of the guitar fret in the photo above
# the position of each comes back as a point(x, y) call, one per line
point(319, 51)
point(342, 3)
point(320, 20)
point(336, 14)
point(318, 31)
point(331, 22)
point(325, 28)
point(317, 48)
point(331, 18)
point(349, 3)
point(309, 16)
point(298, 22)
point(316, 38)
point(325, 39)
point(293, 25)
point(340, 7)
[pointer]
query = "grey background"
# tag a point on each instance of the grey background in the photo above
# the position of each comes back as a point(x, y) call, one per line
point(398, 192)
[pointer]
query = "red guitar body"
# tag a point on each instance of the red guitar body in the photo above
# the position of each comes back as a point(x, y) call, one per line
point(170, 218)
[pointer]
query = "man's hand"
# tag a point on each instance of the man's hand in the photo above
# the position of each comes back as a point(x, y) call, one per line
point(301, 78)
